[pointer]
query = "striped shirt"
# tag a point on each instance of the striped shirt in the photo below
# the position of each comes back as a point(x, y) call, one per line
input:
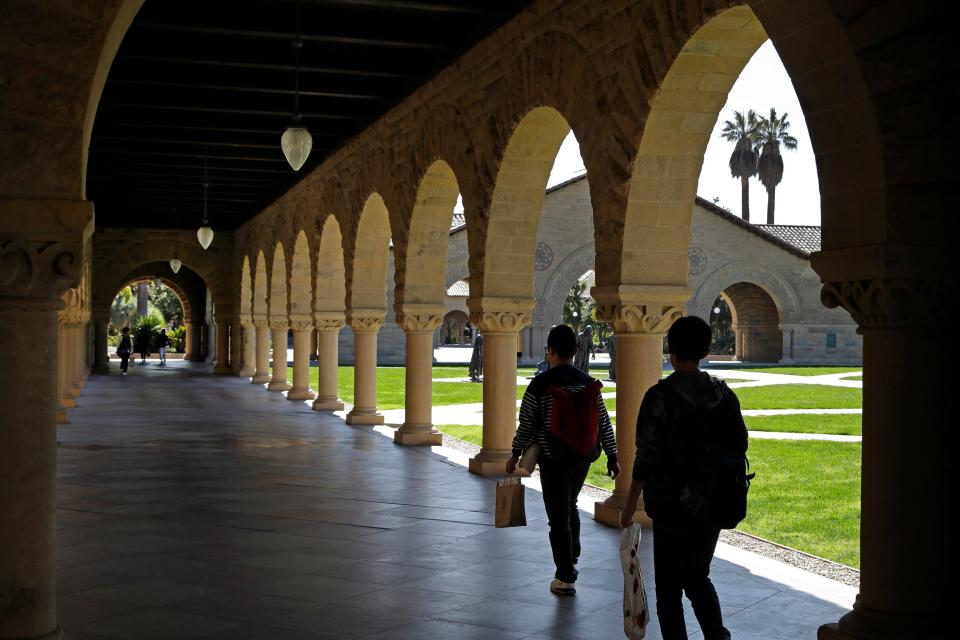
point(537, 404)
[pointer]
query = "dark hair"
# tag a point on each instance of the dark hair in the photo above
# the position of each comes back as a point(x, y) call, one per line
point(562, 340)
point(126, 329)
point(689, 338)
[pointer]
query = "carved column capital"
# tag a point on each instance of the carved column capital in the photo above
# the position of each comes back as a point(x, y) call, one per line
point(500, 315)
point(366, 324)
point(328, 321)
point(301, 324)
point(879, 304)
point(643, 309)
point(261, 323)
point(420, 323)
point(279, 325)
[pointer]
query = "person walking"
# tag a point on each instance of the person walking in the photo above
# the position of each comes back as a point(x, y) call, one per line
point(563, 413)
point(162, 343)
point(683, 419)
point(143, 343)
point(124, 349)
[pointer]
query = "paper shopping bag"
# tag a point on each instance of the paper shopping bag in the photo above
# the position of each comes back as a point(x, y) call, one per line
point(635, 611)
point(510, 510)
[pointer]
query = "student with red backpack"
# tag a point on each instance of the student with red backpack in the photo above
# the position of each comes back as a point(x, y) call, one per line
point(563, 413)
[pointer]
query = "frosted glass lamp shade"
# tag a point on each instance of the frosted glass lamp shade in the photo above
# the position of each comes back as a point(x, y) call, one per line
point(175, 265)
point(296, 143)
point(205, 236)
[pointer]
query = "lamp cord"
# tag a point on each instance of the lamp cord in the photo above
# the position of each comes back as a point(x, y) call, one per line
point(297, 45)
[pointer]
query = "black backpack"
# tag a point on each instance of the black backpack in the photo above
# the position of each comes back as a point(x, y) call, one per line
point(711, 448)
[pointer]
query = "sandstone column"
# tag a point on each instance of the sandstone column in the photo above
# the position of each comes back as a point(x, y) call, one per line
point(101, 359)
point(302, 328)
point(236, 346)
point(41, 250)
point(365, 330)
point(64, 400)
point(908, 485)
point(417, 426)
point(249, 337)
point(279, 380)
point(262, 373)
point(222, 329)
point(640, 324)
point(787, 334)
point(189, 352)
point(328, 335)
point(500, 329)
point(65, 361)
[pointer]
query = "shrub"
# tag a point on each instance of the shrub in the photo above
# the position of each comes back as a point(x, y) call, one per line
point(178, 339)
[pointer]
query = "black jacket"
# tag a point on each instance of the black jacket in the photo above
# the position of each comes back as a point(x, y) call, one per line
point(664, 433)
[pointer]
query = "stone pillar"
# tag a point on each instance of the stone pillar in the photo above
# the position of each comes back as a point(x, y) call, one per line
point(328, 336)
point(279, 380)
point(222, 329)
point(101, 359)
point(41, 250)
point(365, 330)
point(908, 473)
point(640, 324)
point(500, 329)
point(249, 337)
point(236, 346)
point(189, 352)
point(787, 353)
point(64, 400)
point(302, 328)
point(262, 373)
point(417, 426)
point(65, 362)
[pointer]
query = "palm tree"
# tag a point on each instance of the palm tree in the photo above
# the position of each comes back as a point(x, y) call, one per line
point(772, 132)
point(743, 163)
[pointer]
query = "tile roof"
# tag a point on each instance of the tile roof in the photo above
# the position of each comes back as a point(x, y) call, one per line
point(457, 221)
point(459, 289)
point(804, 237)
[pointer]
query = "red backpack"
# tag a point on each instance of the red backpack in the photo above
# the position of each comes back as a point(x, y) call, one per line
point(575, 420)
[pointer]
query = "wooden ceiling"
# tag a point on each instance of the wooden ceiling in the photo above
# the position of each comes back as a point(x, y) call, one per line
point(212, 82)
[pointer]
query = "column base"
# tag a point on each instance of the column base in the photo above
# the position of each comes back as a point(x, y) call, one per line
point(327, 404)
point(867, 624)
point(261, 379)
point(364, 417)
point(222, 370)
point(300, 394)
point(278, 385)
point(608, 513)
point(63, 417)
point(490, 462)
point(247, 373)
point(422, 435)
point(67, 402)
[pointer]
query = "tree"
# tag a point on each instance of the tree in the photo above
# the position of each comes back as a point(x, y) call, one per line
point(579, 306)
point(743, 162)
point(164, 299)
point(772, 132)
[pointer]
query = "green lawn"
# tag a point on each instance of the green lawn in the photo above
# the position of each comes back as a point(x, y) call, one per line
point(799, 396)
point(838, 424)
point(804, 371)
point(806, 494)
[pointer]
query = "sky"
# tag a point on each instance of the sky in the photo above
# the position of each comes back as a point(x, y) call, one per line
point(764, 83)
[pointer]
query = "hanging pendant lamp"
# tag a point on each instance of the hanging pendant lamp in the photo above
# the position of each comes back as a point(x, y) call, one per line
point(205, 233)
point(175, 264)
point(296, 141)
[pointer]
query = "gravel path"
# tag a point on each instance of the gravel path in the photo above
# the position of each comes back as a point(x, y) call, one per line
point(820, 566)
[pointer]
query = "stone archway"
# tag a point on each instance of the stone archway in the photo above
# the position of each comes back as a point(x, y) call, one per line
point(453, 329)
point(550, 300)
point(782, 294)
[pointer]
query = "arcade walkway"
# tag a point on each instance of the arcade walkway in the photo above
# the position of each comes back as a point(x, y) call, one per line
point(193, 506)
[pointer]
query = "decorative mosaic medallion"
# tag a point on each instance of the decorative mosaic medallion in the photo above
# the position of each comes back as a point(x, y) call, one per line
point(697, 259)
point(544, 256)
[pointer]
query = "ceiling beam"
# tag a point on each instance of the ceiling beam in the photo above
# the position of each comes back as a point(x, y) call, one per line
point(246, 112)
point(155, 125)
point(403, 5)
point(270, 67)
point(279, 35)
point(173, 154)
point(239, 89)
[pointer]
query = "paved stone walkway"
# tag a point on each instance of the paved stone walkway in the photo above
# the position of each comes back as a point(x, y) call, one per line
point(193, 506)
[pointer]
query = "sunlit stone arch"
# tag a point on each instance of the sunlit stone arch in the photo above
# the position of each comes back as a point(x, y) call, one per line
point(366, 254)
point(260, 287)
point(245, 304)
point(171, 281)
point(784, 296)
point(551, 299)
point(301, 291)
point(330, 282)
point(420, 259)
point(278, 302)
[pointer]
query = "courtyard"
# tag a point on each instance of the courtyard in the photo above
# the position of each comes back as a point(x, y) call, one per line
point(242, 515)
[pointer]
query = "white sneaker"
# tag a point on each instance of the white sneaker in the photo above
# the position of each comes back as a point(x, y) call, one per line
point(562, 588)
point(124, 373)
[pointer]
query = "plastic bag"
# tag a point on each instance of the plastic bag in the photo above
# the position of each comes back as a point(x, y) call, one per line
point(635, 612)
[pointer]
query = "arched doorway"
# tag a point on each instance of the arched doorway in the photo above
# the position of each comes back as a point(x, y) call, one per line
point(755, 323)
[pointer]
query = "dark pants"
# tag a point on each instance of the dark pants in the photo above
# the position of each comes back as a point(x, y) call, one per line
point(124, 363)
point(561, 485)
point(682, 553)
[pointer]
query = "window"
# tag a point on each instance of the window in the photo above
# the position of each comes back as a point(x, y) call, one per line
point(831, 341)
